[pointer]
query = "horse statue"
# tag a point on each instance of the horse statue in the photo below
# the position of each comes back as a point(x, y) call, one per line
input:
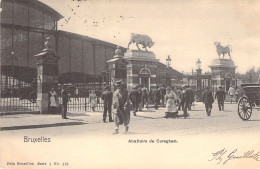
point(223, 49)
point(144, 40)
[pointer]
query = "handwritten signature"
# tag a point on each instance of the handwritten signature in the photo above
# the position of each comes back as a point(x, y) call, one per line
point(223, 156)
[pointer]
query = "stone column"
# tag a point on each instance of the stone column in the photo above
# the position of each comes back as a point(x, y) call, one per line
point(117, 67)
point(47, 68)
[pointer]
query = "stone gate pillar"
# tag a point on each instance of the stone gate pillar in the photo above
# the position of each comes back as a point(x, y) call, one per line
point(117, 67)
point(47, 75)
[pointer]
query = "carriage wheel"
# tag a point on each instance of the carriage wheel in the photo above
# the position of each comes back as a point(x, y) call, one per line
point(244, 108)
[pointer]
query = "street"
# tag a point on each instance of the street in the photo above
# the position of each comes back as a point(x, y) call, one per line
point(84, 141)
point(146, 122)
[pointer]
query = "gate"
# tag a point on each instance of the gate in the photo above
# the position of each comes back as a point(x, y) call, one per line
point(79, 86)
point(18, 89)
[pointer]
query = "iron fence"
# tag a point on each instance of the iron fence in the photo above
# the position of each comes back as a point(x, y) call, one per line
point(18, 89)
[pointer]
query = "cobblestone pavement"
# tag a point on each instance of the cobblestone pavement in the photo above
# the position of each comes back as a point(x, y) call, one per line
point(84, 141)
point(147, 122)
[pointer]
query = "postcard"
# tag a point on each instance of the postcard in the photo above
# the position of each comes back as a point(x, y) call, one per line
point(130, 84)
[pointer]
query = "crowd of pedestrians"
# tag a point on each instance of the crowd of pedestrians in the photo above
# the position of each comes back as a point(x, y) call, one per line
point(118, 104)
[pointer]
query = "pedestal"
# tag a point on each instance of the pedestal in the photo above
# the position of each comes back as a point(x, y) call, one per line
point(141, 68)
point(47, 67)
point(117, 69)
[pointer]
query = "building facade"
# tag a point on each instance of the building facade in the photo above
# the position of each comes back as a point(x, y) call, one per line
point(25, 24)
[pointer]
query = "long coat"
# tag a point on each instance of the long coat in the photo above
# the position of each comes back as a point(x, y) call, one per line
point(122, 114)
point(207, 97)
point(156, 95)
point(134, 96)
point(220, 95)
point(107, 96)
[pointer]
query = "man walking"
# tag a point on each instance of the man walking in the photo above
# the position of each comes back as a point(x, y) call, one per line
point(178, 94)
point(135, 99)
point(220, 96)
point(156, 97)
point(145, 95)
point(208, 99)
point(120, 101)
point(64, 98)
point(140, 105)
point(162, 90)
point(191, 99)
point(107, 96)
point(231, 93)
point(185, 100)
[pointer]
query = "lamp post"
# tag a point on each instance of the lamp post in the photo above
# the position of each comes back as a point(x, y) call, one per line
point(12, 53)
point(168, 64)
point(198, 64)
point(250, 78)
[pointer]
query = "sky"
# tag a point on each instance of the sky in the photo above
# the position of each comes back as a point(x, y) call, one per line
point(184, 29)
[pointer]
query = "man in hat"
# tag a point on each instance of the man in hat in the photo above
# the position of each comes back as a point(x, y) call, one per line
point(64, 98)
point(191, 95)
point(208, 99)
point(156, 97)
point(220, 96)
point(107, 96)
point(162, 90)
point(135, 99)
point(185, 100)
point(120, 101)
point(145, 95)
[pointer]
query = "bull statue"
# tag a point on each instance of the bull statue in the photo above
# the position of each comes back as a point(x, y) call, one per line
point(223, 49)
point(144, 40)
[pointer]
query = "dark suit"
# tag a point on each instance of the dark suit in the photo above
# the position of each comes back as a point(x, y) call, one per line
point(134, 96)
point(107, 96)
point(207, 98)
point(156, 97)
point(185, 101)
point(65, 99)
point(220, 96)
point(163, 93)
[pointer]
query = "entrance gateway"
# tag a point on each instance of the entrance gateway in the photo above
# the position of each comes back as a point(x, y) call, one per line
point(141, 68)
point(135, 67)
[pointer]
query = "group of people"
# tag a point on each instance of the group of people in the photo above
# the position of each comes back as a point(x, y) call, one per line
point(120, 102)
point(141, 96)
point(220, 95)
point(54, 105)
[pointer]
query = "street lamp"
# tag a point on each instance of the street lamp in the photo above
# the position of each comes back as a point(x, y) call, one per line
point(12, 53)
point(168, 61)
point(168, 64)
point(250, 78)
point(198, 64)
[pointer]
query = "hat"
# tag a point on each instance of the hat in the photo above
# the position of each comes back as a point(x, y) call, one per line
point(119, 82)
point(220, 87)
point(183, 86)
point(168, 88)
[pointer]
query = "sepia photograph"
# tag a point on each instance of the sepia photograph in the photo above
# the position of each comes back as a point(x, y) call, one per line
point(130, 84)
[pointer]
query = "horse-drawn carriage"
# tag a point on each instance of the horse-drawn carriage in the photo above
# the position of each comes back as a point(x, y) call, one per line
point(249, 100)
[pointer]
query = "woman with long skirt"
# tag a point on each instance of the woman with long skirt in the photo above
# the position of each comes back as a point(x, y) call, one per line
point(171, 108)
point(93, 100)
